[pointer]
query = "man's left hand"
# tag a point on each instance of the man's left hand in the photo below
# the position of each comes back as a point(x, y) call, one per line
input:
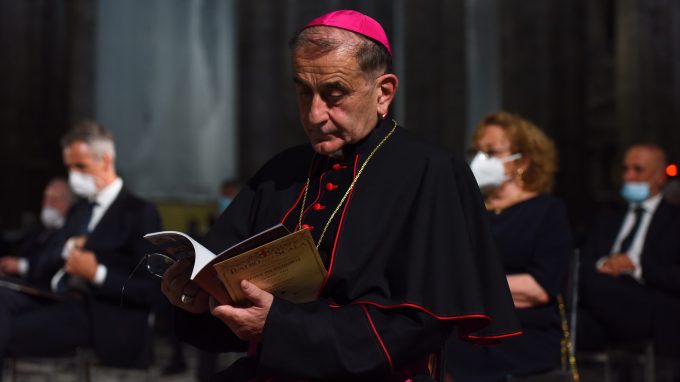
point(82, 263)
point(617, 264)
point(247, 323)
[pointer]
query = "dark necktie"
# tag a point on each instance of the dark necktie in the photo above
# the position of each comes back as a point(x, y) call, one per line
point(85, 219)
point(628, 240)
point(66, 282)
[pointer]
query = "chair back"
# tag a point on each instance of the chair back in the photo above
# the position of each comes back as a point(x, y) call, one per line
point(436, 364)
point(568, 306)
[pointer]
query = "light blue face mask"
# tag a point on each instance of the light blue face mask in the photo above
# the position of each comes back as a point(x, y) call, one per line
point(635, 192)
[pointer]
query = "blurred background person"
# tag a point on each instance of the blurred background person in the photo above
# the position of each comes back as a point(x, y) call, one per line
point(228, 191)
point(515, 164)
point(41, 239)
point(102, 244)
point(630, 284)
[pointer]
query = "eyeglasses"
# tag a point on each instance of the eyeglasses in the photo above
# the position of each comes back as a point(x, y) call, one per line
point(157, 263)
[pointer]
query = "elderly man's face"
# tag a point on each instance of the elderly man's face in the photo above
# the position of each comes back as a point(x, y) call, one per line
point(338, 103)
point(643, 164)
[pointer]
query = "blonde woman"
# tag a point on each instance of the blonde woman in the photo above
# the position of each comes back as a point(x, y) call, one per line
point(514, 164)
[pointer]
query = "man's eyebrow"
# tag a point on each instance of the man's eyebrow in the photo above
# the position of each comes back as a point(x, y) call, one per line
point(327, 85)
point(335, 85)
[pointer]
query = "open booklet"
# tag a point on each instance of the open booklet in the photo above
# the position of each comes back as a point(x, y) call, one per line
point(283, 263)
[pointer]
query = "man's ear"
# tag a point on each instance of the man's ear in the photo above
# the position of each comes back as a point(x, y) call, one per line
point(660, 178)
point(387, 87)
point(107, 162)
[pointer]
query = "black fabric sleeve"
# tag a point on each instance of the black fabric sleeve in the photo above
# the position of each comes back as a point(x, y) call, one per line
point(140, 288)
point(358, 342)
point(45, 264)
point(553, 249)
point(234, 225)
point(661, 263)
point(205, 332)
point(593, 248)
point(663, 276)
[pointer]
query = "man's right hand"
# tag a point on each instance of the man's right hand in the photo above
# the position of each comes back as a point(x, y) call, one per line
point(181, 291)
point(616, 265)
point(9, 265)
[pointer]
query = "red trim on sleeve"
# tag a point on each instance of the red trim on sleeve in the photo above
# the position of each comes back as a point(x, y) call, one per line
point(496, 337)
point(403, 305)
point(415, 306)
point(377, 336)
point(442, 318)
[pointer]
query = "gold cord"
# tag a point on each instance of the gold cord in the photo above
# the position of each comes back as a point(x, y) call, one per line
point(568, 357)
point(349, 189)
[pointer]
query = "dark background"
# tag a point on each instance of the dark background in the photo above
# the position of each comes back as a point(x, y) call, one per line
point(596, 75)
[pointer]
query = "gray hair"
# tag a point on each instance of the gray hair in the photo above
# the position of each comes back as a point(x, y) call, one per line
point(94, 135)
point(372, 57)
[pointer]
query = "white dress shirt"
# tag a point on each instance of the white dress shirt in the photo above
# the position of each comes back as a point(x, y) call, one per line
point(103, 200)
point(635, 251)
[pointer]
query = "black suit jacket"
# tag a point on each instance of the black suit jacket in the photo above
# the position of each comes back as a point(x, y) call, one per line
point(660, 261)
point(120, 320)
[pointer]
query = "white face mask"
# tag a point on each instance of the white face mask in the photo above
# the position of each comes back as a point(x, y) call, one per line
point(489, 171)
point(82, 184)
point(51, 217)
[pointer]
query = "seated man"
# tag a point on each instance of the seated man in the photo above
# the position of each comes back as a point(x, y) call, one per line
point(630, 283)
point(104, 245)
point(399, 226)
point(42, 239)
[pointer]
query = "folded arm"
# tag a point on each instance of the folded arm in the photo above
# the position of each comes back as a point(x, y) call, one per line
point(526, 291)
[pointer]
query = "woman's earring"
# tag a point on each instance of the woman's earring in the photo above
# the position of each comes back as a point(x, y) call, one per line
point(520, 176)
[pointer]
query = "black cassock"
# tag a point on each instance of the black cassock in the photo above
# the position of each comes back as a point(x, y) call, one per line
point(409, 257)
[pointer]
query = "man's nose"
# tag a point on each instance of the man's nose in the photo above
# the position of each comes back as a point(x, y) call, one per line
point(630, 176)
point(318, 110)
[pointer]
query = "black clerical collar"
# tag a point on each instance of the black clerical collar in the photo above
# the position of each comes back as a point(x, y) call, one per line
point(364, 146)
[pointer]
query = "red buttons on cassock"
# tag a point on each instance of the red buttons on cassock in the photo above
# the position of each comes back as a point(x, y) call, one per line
point(307, 226)
point(330, 186)
point(318, 206)
point(338, 167)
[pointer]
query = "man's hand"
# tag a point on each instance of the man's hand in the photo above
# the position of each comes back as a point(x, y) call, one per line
point(9, 265)
point(247, 323)
point(616, 265)
point(78, 242)
point(181, 291)
point(81, 263)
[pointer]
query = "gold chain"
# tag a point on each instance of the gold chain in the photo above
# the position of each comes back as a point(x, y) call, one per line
point(351, 186)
